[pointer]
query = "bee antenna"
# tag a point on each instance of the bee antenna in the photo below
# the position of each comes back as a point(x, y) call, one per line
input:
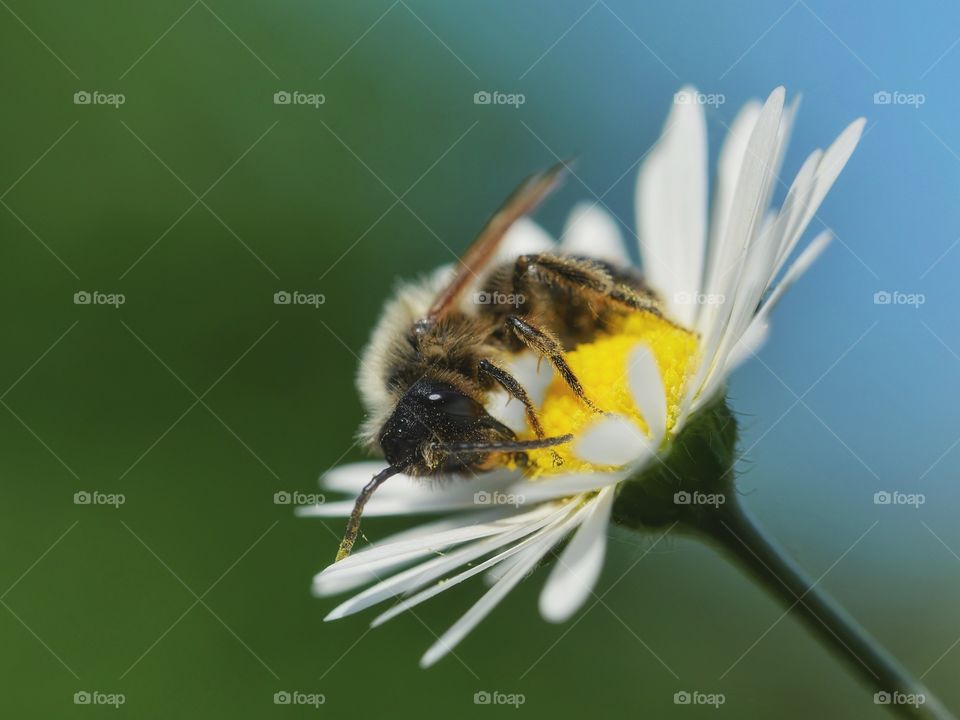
point(353, 524)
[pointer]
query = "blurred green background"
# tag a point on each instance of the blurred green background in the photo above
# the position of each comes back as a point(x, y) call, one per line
point(199, 398)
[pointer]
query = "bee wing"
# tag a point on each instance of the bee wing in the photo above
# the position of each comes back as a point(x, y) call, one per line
point(522, 201)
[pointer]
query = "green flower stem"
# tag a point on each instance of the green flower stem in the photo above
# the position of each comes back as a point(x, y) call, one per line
point(694, 489)
point(736, 531)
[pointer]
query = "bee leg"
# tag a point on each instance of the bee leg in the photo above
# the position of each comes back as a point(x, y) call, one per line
point(513, 387)
point(558, 270)
point(583, 275)
point(630, 298)
point(541, 341)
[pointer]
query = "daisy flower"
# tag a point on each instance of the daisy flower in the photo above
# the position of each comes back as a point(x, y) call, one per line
point(718, 280)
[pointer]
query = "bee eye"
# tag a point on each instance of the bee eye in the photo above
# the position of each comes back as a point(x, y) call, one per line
point(455, 404)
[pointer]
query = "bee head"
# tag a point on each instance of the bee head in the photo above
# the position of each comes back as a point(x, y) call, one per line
point(430, 416)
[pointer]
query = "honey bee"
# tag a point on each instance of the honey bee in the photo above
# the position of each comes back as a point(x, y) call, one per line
point(435, 357)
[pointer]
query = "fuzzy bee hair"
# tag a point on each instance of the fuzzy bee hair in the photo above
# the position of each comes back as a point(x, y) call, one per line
point(393, 360)
point(389, 346)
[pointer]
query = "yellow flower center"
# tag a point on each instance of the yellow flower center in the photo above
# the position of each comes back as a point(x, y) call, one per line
point(601, 366)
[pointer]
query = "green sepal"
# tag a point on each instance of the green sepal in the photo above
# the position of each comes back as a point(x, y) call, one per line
point(699, 463)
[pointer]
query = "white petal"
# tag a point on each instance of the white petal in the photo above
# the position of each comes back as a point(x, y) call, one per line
point(591, 232)
point(386, 506)
point(560, 486)
point(728, 172)
point(403, 495)
point(811, 185)
point(746, 207)
point(535, 376)
point(672, 208)
point(788, 219)
point(501, 564)
point(504, 408)
point(612, 440)
point(422, 574)
point(799, 267)
point(351, 478)
point(722, 334)
point(783, 136)
point(325, 584)
point(491, 598)
point(376, 555)
point(748, 345)
point(758, 329)
point(573, 577)
point(832, 162)
point(763, 242)
point(762, 261)
point(754, 280)
point(500, 569)
point(524, 237)
point(646, 385)
point(724, 277)
point(786, 128)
